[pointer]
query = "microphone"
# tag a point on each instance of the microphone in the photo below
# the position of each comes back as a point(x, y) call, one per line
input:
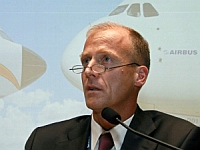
point(114, 118)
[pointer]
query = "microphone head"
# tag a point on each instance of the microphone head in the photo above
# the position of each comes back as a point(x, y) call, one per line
point(110, 115)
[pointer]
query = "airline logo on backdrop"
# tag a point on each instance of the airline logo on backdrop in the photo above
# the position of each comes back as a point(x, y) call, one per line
point(19, 66)
point(181, 52)
point(6, 73)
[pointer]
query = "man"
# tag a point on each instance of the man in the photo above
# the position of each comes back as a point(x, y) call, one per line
point(115, 63)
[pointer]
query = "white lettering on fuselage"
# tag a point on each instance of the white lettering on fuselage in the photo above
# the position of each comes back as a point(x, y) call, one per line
point(181, 52)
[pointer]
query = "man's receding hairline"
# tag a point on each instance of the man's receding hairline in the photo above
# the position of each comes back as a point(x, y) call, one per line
point(106, 26)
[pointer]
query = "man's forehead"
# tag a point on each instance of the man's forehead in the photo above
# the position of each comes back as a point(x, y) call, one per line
point(109, 38)
point(111, 33)
point(109, 41)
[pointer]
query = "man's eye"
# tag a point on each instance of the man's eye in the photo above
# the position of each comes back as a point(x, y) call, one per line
point(106, 59)
point(85, 61)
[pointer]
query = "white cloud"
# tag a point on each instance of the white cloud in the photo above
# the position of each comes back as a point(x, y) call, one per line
point(14, 127)
point(56, 111)
point(22, 112)
point(1, 104)
point(23, 99)
point(17, 117)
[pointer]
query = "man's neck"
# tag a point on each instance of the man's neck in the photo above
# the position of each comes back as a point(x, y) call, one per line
point(106, 125)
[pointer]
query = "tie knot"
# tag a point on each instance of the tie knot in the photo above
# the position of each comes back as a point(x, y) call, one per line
point(105, 141)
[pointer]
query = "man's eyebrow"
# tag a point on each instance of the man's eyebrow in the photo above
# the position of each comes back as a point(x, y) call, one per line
point(83, 54)
point(100, 52)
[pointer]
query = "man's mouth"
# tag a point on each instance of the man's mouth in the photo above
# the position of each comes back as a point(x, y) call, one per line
point(93, 89)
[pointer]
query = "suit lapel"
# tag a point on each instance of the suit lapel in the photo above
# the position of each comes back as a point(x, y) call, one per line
point(77, 138)
point(143, 123)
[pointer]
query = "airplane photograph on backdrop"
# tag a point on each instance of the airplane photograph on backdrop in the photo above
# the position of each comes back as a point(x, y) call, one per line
point(41, 40)
point(172, 31)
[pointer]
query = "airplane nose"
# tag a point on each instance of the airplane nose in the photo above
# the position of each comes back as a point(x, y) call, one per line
point(71, 57)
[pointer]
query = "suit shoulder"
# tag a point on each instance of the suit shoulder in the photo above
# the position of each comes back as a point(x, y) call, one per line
point(46, 137)
point(66, 124)
point(57, 129)
point(167, 119)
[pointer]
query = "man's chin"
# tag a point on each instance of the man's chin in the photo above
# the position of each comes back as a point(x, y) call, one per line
point(95, 107)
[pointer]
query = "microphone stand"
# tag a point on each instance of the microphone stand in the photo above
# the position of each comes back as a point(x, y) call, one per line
point(148, 137)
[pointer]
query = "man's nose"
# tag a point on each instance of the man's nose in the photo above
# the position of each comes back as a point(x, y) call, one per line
point(88, 70)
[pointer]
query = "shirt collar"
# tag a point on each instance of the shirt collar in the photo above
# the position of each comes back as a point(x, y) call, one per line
point(96, 131)
point(118, 133)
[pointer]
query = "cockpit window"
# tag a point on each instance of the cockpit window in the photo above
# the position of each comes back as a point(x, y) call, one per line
point(134, 10)
point(118, 10)
point(149, 10)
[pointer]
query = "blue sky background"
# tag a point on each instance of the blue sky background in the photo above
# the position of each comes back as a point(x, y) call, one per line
point(45, 27)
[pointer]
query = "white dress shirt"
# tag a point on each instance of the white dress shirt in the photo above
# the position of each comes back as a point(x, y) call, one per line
point(118, 134)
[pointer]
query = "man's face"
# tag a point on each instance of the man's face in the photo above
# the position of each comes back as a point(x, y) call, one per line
point(113, 88)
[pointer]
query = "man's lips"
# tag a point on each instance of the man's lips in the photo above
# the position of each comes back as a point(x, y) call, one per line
point(92, 88)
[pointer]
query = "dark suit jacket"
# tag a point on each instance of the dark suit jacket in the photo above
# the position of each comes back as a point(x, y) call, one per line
point(73, 134)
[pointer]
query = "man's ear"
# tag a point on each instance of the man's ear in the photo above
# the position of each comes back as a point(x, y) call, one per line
point(141, 76)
